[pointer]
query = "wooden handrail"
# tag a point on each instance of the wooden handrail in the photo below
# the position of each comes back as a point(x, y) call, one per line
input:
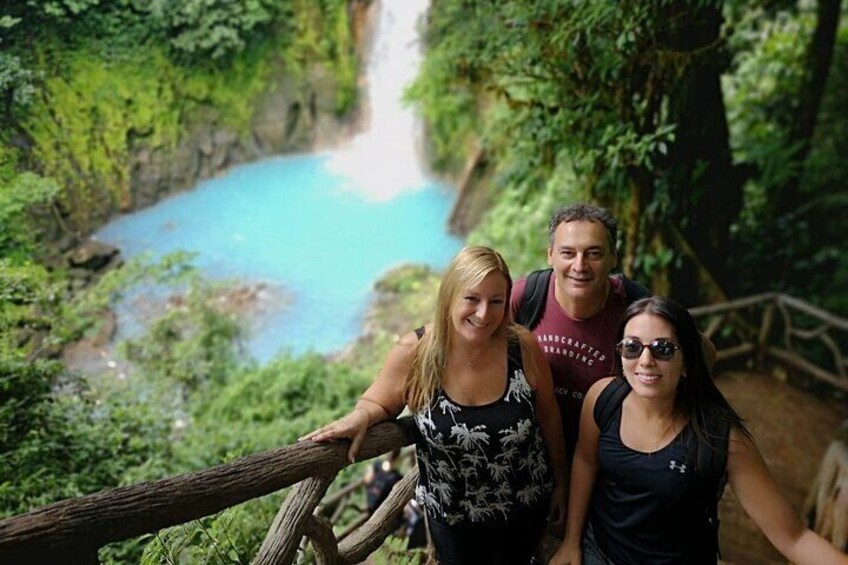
point(756, 340)
point(51, 531)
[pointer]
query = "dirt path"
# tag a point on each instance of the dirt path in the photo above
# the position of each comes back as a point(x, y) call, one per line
point(792, 429)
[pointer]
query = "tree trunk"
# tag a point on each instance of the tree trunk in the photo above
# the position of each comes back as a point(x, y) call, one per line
point(703, 186)
point(817, 64)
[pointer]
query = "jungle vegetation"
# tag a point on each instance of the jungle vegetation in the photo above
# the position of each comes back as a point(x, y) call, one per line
point(715, 130)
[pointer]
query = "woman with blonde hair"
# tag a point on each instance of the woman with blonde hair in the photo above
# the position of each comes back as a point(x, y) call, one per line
point(491, 455)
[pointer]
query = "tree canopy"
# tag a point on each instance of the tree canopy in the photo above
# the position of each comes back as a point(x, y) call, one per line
point(692, 120)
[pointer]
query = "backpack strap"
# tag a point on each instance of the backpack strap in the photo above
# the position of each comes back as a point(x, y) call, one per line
point(633, 291)
point(609, 400)
point(536, 295)
point(533, 301)
point(712, 459)
point(712, 463)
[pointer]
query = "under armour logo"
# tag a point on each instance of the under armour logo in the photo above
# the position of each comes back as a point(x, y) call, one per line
point(673, 465)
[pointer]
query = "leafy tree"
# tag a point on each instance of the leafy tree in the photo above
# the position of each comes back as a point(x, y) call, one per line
point(627, 96)
point(16, 85)
point(789, 244)
point(59, 446)
point(210, 28)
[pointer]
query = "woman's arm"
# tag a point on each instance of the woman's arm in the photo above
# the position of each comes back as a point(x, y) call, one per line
point(757, 491)
point(381, 401)
point(550, 423)
point(584, 471)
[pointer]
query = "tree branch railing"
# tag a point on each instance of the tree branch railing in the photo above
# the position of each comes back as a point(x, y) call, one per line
point(782, 329)
point(759, 328)
point(71, 531)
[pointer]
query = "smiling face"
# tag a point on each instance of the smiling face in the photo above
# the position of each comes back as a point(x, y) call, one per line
point(582, 258)
point(478, 311)
point(649, 377)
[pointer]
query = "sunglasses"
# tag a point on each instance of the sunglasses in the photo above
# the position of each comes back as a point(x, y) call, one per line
point(661, 349)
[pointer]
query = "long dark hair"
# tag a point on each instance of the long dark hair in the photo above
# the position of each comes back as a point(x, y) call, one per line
point(697, 395)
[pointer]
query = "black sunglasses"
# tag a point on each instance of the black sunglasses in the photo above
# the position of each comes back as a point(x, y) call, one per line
point(661, 349)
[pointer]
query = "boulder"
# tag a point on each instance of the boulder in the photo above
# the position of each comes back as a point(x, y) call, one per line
point(91, 255)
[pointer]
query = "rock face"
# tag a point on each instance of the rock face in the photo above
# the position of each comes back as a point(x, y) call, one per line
point(91, 256)
point(290, 116)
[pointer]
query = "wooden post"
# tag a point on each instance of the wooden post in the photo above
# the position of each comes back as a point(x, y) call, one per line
point(280, 545)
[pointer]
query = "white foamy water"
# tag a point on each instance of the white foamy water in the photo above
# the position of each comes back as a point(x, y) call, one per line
point(385, 159)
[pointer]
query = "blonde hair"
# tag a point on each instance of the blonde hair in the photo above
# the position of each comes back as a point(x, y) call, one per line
point(468, 268)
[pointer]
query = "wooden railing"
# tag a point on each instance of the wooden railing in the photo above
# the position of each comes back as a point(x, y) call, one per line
point(779, 328)
point(72, 531)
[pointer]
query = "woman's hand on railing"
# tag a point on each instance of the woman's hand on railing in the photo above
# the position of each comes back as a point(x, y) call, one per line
point(353, 427)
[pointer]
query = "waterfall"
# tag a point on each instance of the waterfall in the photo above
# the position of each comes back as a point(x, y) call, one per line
point(384, 160)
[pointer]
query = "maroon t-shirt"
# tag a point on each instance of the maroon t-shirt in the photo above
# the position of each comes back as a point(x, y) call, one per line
point(579, 351)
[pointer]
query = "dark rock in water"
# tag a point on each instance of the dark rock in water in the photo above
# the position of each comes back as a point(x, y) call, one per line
point(92, 255)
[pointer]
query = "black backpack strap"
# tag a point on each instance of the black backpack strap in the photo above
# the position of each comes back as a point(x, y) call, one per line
point(633, 291)
point(712, 462)
point(712, 459)
point(609, 400)
point(533, 301)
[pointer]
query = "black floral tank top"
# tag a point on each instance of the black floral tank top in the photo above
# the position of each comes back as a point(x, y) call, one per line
point(478, 464)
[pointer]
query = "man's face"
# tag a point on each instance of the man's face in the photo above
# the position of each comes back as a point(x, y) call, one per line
point(582, 259)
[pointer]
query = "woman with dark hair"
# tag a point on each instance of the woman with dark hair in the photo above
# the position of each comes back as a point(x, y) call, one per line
point(643, 489)
point(491, 456)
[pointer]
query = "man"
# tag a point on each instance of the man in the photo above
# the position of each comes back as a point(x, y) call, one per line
point(582, 308)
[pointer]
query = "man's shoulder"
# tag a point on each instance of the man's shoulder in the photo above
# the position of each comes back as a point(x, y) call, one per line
point(628, 289)
point(519, 285)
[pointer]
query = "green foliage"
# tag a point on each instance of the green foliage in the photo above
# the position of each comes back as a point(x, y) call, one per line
point(29, 302)
point(130, 75)
point(16, 84)
point(574, 102)
point(231, 537)
point(255, 410)
point(191, 345)
point(768, 67)
point(62, 9)
point(210, 28)
point(57, 446)
point(323, 37)
point(569, 102)
point(528, 200)
point(87, 118)
point(794, 252)
point(81, 315)
point(19, 236)
point(270, 406)
point(449, 108)
point(394, 552)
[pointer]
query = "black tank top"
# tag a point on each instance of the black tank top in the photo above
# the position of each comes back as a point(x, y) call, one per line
point(649, 508)
point(479, 464)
